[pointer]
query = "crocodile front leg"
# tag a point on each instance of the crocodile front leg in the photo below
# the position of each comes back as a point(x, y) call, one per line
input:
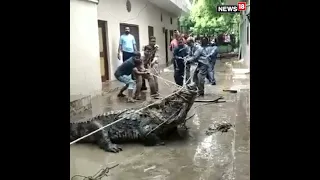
point(104, 141)
point(153, 140)
point(150, 139)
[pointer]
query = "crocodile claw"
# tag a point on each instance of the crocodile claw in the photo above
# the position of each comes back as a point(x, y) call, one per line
point(113, 148)
point(160, 143)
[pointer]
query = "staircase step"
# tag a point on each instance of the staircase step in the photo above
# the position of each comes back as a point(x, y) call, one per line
point(79, 104)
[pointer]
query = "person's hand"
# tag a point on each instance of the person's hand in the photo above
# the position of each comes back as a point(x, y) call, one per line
point(119, 56)
point(156, 46)
point(147, 71)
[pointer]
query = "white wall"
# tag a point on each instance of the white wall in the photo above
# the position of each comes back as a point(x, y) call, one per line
point(247, 58)
point(247, 35)
point(85, 76)
point(245, 46)
point(115, 12)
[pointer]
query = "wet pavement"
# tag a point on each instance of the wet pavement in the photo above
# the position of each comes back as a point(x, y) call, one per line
point(219, 156)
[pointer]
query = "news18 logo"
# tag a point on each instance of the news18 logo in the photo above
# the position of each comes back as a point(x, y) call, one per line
point(232, 8)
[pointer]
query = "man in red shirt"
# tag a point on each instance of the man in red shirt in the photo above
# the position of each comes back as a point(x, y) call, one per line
point(185, 37)
point(174, 42)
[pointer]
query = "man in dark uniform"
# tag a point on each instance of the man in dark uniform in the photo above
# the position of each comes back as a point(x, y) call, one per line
point(192, 47)
point(202, 55)
point(179, 54)
point(212, 62)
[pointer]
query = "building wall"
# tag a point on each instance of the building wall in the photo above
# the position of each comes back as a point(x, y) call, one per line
point(247, 25)
point(245, 35)
point(115, 12)
point(85, 76)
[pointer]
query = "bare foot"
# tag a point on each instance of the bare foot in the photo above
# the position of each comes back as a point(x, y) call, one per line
point(130, 100)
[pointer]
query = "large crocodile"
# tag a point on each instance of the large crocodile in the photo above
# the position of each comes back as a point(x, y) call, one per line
point(148, 126)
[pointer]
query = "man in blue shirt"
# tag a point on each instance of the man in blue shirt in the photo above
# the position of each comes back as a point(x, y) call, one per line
point(123, 74)
point(127, 45)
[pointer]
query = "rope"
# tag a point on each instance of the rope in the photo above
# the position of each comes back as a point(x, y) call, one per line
point(185, 72)
point(93, 132)
point(99, 175)
point(165, 80)
point(184, 84)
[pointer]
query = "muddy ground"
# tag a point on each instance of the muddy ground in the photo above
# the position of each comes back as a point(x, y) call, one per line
point(200, 156)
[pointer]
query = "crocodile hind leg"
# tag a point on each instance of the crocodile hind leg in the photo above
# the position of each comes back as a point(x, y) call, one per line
point(104, 141)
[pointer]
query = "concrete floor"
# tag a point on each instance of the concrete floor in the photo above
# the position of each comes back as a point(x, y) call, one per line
point(220, 156)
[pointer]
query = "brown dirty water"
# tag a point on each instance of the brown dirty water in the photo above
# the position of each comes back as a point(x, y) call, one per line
point(218, 156)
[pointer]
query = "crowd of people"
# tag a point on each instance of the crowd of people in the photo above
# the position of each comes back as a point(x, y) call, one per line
point(137, 68)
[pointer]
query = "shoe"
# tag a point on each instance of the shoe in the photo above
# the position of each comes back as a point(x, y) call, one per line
point(200, 95)
point(144, 88)
point(213, 83)
point(121, 95)
point(155, 95)
point(137, 98)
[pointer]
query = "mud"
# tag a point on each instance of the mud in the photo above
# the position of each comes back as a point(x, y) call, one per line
point(218, 156)
point(222, 127)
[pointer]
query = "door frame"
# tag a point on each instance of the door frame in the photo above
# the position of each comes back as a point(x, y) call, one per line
point(134, 25)
point(166, 44)
point(171, 35)
point(104, 26)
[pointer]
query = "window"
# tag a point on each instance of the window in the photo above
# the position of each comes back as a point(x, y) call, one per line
point(150, 31)
point(161, 17)
point(171, 20)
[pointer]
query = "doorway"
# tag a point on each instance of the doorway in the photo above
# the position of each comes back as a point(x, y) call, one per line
point(104, 66)
point(166, 45)
point(134, 30)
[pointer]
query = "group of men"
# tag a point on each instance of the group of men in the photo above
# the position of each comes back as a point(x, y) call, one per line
point(137, 68)
point(185, 54)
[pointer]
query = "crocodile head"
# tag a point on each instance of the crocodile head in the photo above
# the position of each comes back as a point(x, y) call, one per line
point(175, 108)
point(185, 99)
